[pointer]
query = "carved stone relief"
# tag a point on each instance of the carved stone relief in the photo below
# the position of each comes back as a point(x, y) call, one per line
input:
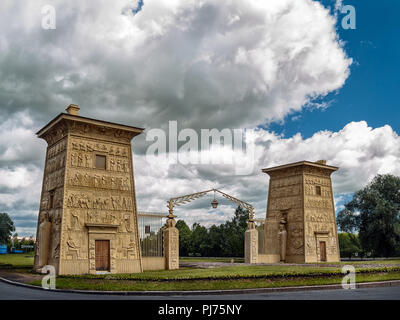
point(94, 180)
point(284, 203)
point(104, 132)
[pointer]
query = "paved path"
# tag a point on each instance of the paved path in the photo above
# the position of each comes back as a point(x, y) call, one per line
point(12, 292)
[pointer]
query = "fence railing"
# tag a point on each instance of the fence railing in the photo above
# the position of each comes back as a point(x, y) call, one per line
point(150, 226)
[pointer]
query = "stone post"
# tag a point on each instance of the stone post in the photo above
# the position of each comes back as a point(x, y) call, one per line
point(171, 245)
point(251, 244)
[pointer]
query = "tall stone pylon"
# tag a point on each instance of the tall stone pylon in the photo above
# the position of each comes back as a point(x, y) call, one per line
point(300, 224)
point(88, 218)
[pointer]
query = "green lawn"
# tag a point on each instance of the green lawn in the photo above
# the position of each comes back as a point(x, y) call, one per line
point(227, 277)
point(126, 285)
point(235, 271)
point(19, 260)
point(228, 272)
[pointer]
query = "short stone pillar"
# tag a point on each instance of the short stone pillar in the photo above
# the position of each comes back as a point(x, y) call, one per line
point(171, 245)
point(251, 246)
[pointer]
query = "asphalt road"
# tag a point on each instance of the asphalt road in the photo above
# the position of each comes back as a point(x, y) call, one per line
point(11, 292)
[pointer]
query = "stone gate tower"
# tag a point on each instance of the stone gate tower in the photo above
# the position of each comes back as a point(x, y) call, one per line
point(300, 225)
point(87, 218)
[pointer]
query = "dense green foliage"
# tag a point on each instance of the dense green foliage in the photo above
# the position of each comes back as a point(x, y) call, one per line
point(374, 214)
point(6, 228)
point(349, 244)
point(17, 243)
point(225, 240)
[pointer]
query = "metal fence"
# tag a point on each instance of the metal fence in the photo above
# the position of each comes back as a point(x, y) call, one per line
point(151, 225)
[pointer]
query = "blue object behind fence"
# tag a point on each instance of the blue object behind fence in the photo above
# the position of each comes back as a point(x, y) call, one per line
point(16, 251)
point(3, 249)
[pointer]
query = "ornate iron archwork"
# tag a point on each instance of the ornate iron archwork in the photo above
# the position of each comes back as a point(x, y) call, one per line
point(177, 201)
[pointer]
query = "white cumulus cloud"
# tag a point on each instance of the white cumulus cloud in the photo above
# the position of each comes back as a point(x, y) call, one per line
point(227, 63)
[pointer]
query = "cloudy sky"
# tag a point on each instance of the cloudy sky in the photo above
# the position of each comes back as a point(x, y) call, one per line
point(302, 86)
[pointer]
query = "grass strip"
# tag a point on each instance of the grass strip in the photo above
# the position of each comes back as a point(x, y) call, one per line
point(231, 273)
point(123, 285)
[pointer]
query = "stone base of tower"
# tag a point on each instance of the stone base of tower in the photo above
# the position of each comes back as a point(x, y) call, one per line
point(75, 267)
point(171, 248)
point(251, 246)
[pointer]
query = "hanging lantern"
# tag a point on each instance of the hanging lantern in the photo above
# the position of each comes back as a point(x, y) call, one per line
point(214, 204)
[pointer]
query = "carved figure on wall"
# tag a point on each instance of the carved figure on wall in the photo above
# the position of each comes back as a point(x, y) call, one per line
point(90, 216)
point(86, 180)
point(80, 159)
point(104, 181)
point(115, 202)
point(72, 247)
point(113, 186)
point(74, 221)
point(282, 236)
point(130, 249)
point(127, 221)
point(56, 240)
point(88, 159)
point(96, 181)
point(125, 184)
point(73, 159)
point(112, 164)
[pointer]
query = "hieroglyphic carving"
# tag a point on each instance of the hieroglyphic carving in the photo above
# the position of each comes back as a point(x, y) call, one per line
point(94, 180)
point(73, 248)
point(286, 181)
point(55, 134)
point(99, 132)
point(104, 217)
point(318, 227)
point(284, 203)
point(53, 151)
point(288, 191)
point(80, 146)
point(129, 247)
point(317, 171)
point(174, 246)
point(105, 201)
point(318, 215)
point(311, 180)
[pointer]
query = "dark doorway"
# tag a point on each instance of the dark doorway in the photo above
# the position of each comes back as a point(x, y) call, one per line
point(322, 249)
point(102, 249)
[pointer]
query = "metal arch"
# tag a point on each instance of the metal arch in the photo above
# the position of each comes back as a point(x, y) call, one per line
point(177, 201)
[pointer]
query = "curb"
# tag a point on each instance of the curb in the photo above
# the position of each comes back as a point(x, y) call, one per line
point(390, 283)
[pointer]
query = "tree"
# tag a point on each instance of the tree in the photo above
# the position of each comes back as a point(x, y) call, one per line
point(6, 228)
point(185, 235)
point(233, 233)
point(349, 244)
point(374, 213)
point(215, 237)
point(200, 243)
point(218, 241)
